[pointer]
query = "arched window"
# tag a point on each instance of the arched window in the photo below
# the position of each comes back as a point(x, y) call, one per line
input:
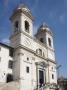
point(49, 41)
point(40, 52)
point(41, 39)
point(16, 26)
point(43, 54)
point(26, 26)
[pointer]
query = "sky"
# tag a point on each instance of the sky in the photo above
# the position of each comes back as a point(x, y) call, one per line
point(51, 12)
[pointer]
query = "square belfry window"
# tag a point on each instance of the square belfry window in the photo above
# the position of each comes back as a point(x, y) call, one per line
point(41, 39)
point(27, 69)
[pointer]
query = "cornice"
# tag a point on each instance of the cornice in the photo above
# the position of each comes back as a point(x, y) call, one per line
point(20, 12)
point(34, 39)
point(49, 32)
point(35, 54)
point(50, 60)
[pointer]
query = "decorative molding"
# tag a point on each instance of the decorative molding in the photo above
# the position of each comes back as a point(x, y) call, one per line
point(20, 54)
point(50, 60)
point(47, 59)
point(43, 64)
point(27, 62)
point(20, 11)
point(33, 58)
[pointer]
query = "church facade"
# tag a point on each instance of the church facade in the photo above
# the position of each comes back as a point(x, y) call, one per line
point(29, 60)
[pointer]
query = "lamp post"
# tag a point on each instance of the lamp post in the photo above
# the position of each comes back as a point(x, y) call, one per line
point(58, 71)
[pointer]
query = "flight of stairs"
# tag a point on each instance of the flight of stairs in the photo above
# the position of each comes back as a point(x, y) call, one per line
point(15, 86)
point(49, 87)
point(9, 86)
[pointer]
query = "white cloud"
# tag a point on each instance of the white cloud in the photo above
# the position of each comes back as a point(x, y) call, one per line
point(5, 2)
point(59, 17)
point(65, 3)
point(35, 29)
point(62, 18)
point(5, 40)
point(53, 14)
point(35, 5)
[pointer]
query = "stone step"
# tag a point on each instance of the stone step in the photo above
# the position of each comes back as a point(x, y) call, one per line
point(10, 86)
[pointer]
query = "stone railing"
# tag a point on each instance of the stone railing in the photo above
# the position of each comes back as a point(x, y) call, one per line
point(48, 87)
point(41, 87)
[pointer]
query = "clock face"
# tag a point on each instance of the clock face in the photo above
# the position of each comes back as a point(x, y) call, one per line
point(27, 42)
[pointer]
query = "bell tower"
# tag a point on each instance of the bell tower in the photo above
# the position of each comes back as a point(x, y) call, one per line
point(45, 36)
point(21, 23)
point(22, 28)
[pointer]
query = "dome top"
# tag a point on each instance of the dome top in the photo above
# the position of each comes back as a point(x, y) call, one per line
point(44, 28)
point(22, 8)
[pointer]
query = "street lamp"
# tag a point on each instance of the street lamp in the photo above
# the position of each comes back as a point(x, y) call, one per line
point(58, 71)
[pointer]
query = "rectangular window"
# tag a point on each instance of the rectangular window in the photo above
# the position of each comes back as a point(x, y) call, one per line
point(49, 41)
point(0, 48)
point(27, 69)
point(0, 59)
point(52, 76)
point(10, 64)
point(11, 52)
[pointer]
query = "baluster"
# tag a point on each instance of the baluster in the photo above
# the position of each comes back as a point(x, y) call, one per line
point(42, 86)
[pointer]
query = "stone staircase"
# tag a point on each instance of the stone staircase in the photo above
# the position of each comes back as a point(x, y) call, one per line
point(48, 87)
point(15, 86)
point(9, 86)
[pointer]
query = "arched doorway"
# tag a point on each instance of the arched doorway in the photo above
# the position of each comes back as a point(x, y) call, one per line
point(9, 78)
point(41, 73)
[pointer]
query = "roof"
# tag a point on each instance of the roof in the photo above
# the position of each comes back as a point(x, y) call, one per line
point(44, 25)
point(44, 28)
point(5, 45)
point(22, 8)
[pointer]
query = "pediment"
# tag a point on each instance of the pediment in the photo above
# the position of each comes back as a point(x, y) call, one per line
point(43, 64)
